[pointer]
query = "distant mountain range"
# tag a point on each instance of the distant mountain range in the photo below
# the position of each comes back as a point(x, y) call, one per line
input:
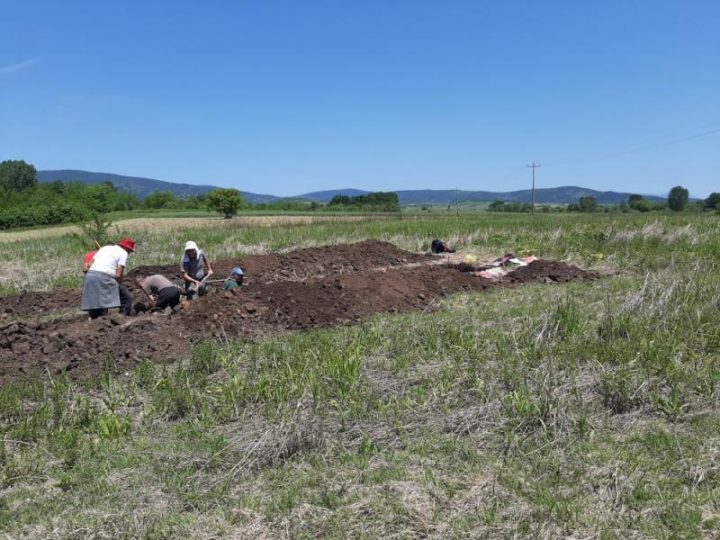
point(558, 195)
point(142, 187)
point(325, 196)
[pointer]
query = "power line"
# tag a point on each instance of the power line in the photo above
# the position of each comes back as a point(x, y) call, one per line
point(533, 167)
point(642, 148)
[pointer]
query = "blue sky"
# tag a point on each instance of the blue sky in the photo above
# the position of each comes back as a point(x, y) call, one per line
point(287, 97)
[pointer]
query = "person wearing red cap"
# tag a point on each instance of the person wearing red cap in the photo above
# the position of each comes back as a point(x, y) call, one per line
point(103, 288)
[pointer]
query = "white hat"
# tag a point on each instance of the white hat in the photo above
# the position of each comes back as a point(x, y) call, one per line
point(190, 245)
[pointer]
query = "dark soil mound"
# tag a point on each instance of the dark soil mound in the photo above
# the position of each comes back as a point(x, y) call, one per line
point(305, 263)
point(37, 303)
point(546, 271)
point(294, 266)
point(336, 300)
point(336, 290)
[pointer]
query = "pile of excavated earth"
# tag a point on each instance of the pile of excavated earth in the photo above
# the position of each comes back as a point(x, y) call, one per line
point(308, 288)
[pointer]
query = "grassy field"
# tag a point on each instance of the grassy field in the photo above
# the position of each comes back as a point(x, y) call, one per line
point(549, 411)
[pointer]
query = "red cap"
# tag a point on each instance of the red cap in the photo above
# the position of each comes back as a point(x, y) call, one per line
point(127, 243)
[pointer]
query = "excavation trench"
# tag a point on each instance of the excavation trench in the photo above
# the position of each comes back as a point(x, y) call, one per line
point(301, 290)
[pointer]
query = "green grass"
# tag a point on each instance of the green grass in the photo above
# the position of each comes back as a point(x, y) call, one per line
point(578, 410)
point(636, 243)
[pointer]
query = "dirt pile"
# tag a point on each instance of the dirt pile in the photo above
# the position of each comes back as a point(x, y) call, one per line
point(547, 271)
point(297, 265)
point(305, 289)
point(336, 300)
point(305, 263)
point(81, 347)
point(34, 303)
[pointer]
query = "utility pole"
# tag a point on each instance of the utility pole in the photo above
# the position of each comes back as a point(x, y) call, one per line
point(457, 208)
point(533, 167)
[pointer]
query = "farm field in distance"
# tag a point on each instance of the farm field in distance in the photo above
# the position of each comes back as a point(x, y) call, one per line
point(583, 409)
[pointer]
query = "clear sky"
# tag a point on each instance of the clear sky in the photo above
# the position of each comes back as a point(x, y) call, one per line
point(287, 97)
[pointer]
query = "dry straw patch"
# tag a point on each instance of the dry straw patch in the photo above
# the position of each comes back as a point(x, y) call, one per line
point(14, 273)
point(251, 525)
point(661, 231)
point(159, 225)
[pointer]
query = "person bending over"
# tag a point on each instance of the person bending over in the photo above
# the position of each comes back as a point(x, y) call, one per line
point(159, 290)
point(102, 288)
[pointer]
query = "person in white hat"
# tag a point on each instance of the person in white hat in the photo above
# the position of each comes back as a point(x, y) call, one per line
point(194, 267)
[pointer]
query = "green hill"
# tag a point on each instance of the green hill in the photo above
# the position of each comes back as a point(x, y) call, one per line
point(142, 187)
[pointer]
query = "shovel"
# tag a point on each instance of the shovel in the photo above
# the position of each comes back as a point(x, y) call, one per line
point(195, 287)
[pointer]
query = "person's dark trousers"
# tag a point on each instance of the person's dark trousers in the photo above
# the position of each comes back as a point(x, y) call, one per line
point(126, 299)
point(167, 297)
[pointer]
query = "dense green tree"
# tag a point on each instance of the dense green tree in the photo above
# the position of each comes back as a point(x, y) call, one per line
point(161, 199)
point(16, 175)
point(57, 187)
point(713, 201)
point(379, 201)
point(340, 200)
point(678, 198)
point(289, 205)
point(509, 206)
point(225, 201)
point(496, 206)
point(124, 200)
point(635, 201)
point(643, 205)
point(587, 204)
point(640, 204)
point(58, 202)
point(195, 201)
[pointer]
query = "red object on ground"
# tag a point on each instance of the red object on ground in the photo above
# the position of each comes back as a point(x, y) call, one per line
point(88, 257)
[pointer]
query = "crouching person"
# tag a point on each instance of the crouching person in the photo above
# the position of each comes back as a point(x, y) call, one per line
point(438, 246)
point(102, 288)
point(235, 280)
point(159, 290)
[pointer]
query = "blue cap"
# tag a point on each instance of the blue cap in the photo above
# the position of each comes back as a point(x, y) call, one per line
point(237, 271)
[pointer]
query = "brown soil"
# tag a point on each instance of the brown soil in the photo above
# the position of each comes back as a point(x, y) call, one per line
point(304, 289)
point(294, 266)
point(304, 263)
point(28, 304)
point(545, 271)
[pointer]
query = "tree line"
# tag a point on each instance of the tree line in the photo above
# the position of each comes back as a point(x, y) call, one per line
point(24, 202)
point(678, 200)
point(380, 201)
